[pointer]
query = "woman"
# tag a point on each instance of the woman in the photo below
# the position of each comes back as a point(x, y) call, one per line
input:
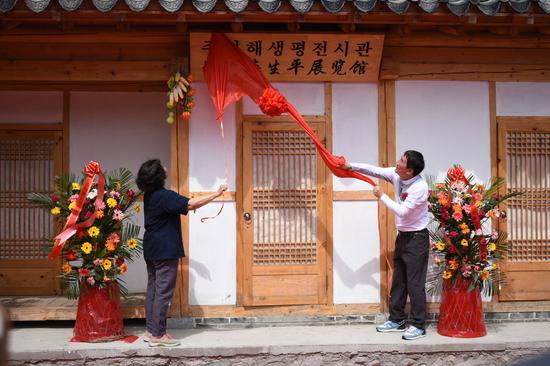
point(162, 245)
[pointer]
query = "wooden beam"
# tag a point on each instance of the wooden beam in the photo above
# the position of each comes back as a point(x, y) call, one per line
point(329, 198)
point(83, 71)
point(241, 231)
point(469, 72)
point(354, 196)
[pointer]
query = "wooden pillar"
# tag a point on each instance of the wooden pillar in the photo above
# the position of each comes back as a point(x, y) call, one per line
point(386, 158)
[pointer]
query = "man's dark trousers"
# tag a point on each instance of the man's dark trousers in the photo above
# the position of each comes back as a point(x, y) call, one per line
point(410, 263)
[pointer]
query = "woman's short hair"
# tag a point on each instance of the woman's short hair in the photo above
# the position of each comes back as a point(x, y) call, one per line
point(151, 176)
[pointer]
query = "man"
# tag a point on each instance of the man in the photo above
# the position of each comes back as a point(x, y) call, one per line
point(412, 243)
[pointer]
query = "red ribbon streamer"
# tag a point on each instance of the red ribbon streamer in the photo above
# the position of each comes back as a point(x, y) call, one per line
point(230, 74)
point(71, 227)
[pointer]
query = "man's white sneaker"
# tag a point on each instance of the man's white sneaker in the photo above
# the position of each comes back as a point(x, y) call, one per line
point(390, 326)
point(413, 333)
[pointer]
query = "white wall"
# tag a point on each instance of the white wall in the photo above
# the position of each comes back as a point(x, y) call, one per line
point(355, 128)
point(31, 107)
point(213, 256)
point(523, 99)
point(120, 130)
point(308, 98)
point(208, 155)
point(356, 253)
point(356, 248)
point(448, 121)
point(212, 244)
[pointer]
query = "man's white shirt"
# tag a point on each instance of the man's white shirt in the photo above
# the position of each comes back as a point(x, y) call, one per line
point(412, 213)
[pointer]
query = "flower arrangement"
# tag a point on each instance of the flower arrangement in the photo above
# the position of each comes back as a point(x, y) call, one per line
point(180, 97)
point(97, 253)
point(464, 246)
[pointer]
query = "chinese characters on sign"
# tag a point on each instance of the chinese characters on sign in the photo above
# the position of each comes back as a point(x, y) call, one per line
point(302, 57)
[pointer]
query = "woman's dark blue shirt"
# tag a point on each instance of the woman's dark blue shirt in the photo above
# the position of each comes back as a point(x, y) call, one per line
point(162, 239)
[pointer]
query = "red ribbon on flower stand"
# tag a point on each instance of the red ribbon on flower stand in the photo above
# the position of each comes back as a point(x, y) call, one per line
point(461, 311)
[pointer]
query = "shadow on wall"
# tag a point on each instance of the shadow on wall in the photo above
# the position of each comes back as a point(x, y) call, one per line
point(196, 268)
point(353, 277)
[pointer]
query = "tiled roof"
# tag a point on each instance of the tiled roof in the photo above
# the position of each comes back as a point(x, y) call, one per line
point(457, 7)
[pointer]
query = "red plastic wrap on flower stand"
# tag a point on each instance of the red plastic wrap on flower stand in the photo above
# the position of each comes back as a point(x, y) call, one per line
point(99, 315)
point(461, 312)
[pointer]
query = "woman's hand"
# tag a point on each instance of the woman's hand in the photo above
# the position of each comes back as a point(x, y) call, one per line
point(222, 188)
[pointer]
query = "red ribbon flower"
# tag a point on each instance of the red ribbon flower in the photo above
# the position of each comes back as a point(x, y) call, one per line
point(404, 196)
point(272, 102)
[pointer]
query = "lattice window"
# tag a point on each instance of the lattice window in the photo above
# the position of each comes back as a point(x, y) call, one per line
point(284, 198)
point(528, 164)
point(25, 166)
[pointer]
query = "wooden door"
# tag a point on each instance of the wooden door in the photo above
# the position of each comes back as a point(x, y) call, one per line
point(524, 160)
point(29, 161)
point(284, 216)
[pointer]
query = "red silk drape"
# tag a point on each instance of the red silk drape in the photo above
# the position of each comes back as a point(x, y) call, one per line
point(230, 74)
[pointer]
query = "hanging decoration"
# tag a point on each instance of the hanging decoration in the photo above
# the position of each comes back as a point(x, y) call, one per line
point(230, 74)
point(180, 97)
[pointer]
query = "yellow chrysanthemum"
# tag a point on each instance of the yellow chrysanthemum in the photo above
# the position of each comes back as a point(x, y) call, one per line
point(492, 247)
point(484, 274)
point(111, 202)
point(67, 268)
point(137, 208)
point(447, 275)
point(75, 186)
point(99, 214)
point(72, 205)
point(440, 185)
point(86, 248)
point(440, 245)
point(132, 243)
point(93, 231)
point(55, 211)
point(117, 186)
point(107, 264)
point(494, 266)
point(464, 242)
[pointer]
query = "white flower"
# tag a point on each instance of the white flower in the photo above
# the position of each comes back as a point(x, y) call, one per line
point(92, 194)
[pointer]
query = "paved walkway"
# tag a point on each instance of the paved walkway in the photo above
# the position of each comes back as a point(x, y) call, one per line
point(33, 342)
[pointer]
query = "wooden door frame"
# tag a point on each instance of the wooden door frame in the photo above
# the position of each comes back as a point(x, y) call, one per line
point(326, 119)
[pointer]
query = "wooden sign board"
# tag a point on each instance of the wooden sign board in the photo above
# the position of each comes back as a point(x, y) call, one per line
point(302, 57)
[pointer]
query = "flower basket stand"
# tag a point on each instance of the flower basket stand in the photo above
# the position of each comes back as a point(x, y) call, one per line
point(99, 315)
point(461, 312)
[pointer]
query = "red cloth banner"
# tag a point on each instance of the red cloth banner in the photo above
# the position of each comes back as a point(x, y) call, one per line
point(71, 227)
point(230, 74)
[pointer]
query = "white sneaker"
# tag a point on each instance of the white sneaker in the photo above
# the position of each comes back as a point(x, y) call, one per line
point(147, 336)
point(165, 341)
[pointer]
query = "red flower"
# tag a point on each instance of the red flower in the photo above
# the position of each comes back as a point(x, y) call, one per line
point(71, 255)
point(84, 272)
point(54, 198)
point(404, 196)
point(81, 234)
point(119, 261)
